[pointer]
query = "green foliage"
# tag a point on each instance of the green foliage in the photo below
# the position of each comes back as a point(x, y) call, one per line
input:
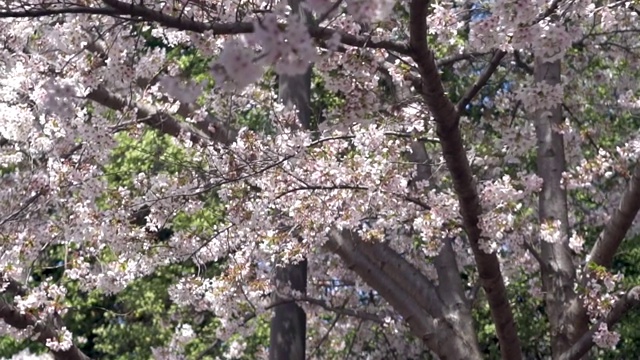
point(151, 154)
point(127, 325)
point(323, 100)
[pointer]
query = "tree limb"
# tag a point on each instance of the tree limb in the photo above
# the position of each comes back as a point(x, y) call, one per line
point(364, 315)
point(452, 59)
point(120, 8)
point(447, 127)
point(619, 223)
point(438, 334)
point(481, 81)
point(13, 317)
point(34, 13)
point(580, 348)
point(211, 128)
point(450, 288)
point(288, 326)
point(558, 273)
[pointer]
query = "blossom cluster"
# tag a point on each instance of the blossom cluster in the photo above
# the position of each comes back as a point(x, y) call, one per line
point(67, 93)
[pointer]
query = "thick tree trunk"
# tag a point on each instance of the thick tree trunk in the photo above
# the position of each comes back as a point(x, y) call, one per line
point(288, 325)
point(409, 292)
point(564, 309)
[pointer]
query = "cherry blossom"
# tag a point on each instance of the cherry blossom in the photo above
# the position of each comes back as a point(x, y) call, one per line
point(449, 138)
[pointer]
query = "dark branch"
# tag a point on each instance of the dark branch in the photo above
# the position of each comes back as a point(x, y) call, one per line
point(630, 300)
point(447, 121)
point(43, 331)
point(338, 310)
point(141, 12)
point(481, 82)
point(34, 13)
point(619, 223)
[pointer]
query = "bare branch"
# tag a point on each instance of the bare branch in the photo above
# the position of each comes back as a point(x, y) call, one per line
point(495, 62)
point(338, 310)
point(450, 60)
point(481, 82)
point(536, 255)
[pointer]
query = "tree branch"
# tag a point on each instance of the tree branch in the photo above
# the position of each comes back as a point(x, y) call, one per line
point(630, 300)
point(439, 335)
point(619, 223)
point(558, 274)
point(34, 13)
point(120, 8)
point(338, 310)
point(344, 245)
point(13, 287)
point(447, 127)
point(452, 59)
point(410, 279)
point(211, 128)
point(13, 317)
point(450, 288)
point(481, 82)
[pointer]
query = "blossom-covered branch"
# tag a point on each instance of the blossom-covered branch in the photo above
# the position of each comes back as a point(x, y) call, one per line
point(45, 333)
point(210, 129)
point(447, 127)
point(141, 12)
point(626, 303)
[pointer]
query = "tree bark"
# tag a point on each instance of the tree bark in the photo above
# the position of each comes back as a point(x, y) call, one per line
point(450, 289)
point(288, 325)
point(626, 303)
point(564, 309)
point(440, 333)
point(619, 223)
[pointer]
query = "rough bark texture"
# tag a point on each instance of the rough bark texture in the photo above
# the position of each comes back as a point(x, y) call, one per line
point(288, 325)
point(448, 130)
point(438, 332)
point(568, 321)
